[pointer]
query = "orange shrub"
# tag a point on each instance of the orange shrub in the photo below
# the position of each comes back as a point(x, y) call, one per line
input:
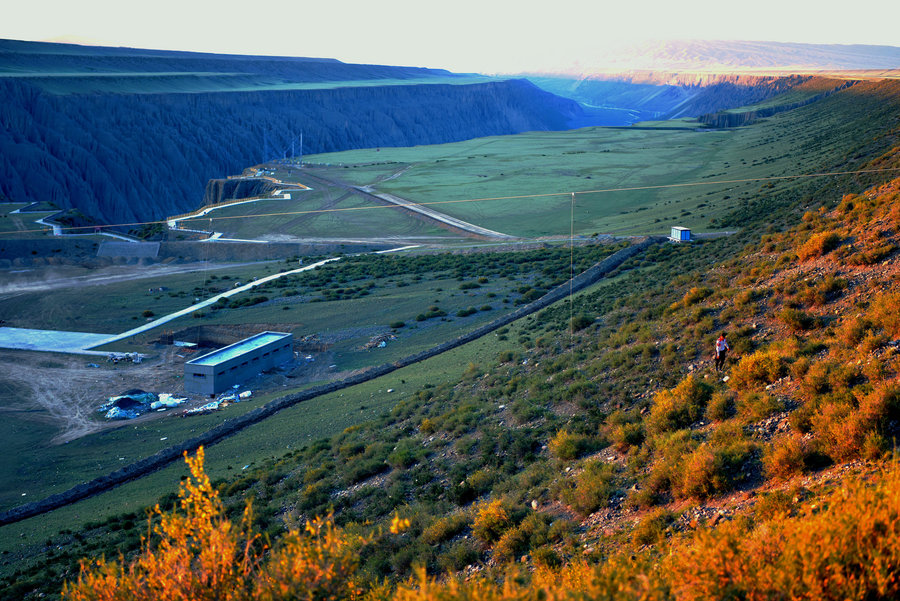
point(197, 553)
point(200, 554)
point(760, 368)
point(883, 311)
point(818, 245)
point(787, 456)
point(846, 547)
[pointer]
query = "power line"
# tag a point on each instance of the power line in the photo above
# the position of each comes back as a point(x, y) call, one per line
point(487, 199)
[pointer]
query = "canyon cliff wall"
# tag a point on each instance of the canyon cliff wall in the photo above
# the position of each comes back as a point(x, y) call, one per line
point(133, 157)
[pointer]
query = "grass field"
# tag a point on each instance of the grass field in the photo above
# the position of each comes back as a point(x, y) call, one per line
point(638, 180)
point(117, 307)
point(21, 225)
point(631, 180)
point(323, 212)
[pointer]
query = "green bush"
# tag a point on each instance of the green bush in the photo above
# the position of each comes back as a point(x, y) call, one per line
point(754, 406)
point(715, 469)
point(594, 486)
point(654, 527)
point(580, 322)
point(460, 554)
point(567, 446)
point(445, 528)
point(721, 406)
point(797, 320)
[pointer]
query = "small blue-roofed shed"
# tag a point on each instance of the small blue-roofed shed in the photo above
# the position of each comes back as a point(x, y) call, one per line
point(680, 234)
point(219, 370)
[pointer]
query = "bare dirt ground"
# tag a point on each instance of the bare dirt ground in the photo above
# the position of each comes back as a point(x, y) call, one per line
point(65, 391)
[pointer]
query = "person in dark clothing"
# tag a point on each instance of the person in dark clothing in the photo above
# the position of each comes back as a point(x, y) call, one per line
point(721, 349)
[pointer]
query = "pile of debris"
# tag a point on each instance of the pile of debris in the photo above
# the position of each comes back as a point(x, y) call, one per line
point(219, 403)
point(167, 401)
point(124, 357)
point(136, 402)
point(379, 341)
point(310, 342)
point(128, 405)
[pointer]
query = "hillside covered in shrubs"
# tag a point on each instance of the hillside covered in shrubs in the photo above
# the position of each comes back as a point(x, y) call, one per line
point(595, 452)
point(604, 457)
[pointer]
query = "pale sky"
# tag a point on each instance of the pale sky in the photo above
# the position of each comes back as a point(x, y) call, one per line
point(487, 36)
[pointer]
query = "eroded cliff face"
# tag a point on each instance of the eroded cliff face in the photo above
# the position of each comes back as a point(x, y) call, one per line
point(703, 78)
point(736, 119)
point(647, 95)
point(134, 157)
point(219, 190)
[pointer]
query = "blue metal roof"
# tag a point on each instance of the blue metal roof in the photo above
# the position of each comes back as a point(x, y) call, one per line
point(238, 348)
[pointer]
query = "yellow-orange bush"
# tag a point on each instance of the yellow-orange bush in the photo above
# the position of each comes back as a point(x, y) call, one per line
point(787, 456)
point(762, 367)
point(491, 521)
point(818, 245)
point(197, 553)
point(680, 406)
point(846, 546)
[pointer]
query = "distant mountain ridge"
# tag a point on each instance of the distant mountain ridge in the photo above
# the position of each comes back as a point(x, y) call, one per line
point(675, 79)
point(731, 57)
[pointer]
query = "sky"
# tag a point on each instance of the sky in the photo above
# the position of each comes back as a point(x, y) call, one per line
point(484, 36)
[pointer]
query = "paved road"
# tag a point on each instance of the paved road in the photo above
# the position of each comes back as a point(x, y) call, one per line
point(196, 307)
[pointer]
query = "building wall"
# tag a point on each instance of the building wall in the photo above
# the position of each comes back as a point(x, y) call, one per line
point(216, 378)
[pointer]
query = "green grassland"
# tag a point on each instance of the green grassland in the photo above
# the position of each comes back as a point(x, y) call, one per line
point(682, 175)
point(116, 307)
point(539, 171)
point(21, 225)
point(635, 180)
point(323, 212)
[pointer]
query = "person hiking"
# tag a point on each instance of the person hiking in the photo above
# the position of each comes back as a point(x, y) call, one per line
point(721, 349)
